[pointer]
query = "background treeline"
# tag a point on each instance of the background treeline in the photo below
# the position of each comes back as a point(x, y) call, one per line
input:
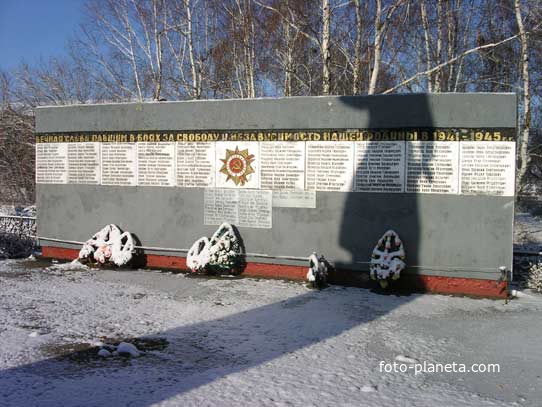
point(141, 50)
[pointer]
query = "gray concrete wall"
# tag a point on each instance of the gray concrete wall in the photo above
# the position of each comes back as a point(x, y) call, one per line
point(449, 235)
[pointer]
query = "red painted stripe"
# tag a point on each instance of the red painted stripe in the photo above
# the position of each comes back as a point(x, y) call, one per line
point(167, 262)
point(275, 271)
point(432, 284)
point(59, 253)
point(464, 286)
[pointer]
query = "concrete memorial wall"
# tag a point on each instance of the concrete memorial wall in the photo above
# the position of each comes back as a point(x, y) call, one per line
point(295, 175)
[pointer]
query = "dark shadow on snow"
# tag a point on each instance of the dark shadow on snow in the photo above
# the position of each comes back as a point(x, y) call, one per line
point(195, 355)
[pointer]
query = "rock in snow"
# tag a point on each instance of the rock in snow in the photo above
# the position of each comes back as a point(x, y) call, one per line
point(405, 359)
point(128, 348)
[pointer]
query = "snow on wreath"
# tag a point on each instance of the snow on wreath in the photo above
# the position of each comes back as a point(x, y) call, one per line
point(224, 253)
point(319, 269)
point(388, 259)
point(109, 246)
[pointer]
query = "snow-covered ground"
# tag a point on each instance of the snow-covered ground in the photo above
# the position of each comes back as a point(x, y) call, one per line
point(527, 231)
point(248, 342)
point(11, 210)
point(527, 242)
point(7, 210)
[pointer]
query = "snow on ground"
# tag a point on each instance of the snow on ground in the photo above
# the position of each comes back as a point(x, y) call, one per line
point(11, 210)
point(246, 342)
point(528, 238)
point(527, 231)
point(7, 210)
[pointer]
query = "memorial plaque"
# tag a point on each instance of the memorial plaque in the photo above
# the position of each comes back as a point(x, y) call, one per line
point(244, 208)
point(220, 205)
point(432, 167)
point(156, 164)
point(237, 164)
point(282, 165)
point(83, 163)
point(430, 162)
point(487, 168)
point(119, 164)
point(380, 166)
point(294, 199)
point(52, 163)
point(195, 164)
point(255, 208)
point(329, 166)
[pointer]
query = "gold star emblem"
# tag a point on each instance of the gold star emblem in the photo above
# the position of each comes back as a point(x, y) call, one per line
point(236, 166)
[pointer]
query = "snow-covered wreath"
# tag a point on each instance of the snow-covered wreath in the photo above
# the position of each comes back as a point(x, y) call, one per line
point(318, 272)
point(110, 246)
point(223, 253)
point(388, 259)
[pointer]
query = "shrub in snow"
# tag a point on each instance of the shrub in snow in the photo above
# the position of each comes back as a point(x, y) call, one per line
point(223, 253)
point(318, 271)
point(109, 246)
point(15, 247)
point(529, 272)
point(534, 279)
point(17, 235)
point(388, 259)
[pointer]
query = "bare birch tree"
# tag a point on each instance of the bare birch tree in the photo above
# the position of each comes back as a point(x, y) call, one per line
point(132, 31)
point(357, 48)
point(326, 22)
point(526, 122)
point(186, 52)
point(317, 32)
point(380, 26)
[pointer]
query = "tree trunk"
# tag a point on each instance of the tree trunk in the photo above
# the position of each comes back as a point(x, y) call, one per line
point(425, 24)
point(357, 49)
point(326, 17)
point(377, 48)
point(524, 137)
point(193, 69)
point(289, 59)
point(158, 48)
point(438, 75)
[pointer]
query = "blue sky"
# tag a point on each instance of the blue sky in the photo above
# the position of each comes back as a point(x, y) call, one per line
point(33, 28)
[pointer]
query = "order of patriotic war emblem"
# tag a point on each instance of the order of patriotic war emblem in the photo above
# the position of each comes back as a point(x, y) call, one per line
point(237, 166)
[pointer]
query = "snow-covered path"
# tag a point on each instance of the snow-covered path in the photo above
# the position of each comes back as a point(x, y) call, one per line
point(246, 342)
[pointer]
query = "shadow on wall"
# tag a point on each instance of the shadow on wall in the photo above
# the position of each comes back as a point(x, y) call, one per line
point(237, 342)
point(367, 215)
